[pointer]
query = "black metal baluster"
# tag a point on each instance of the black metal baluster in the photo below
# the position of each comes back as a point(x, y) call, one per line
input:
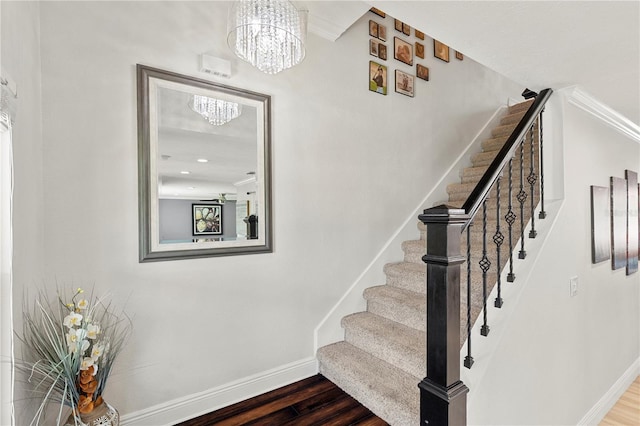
point(468, 360)
point(542, 214)
point(510, 217)
point(531, 179)
point(522, 198)
point(485, 264)
point(498, 239)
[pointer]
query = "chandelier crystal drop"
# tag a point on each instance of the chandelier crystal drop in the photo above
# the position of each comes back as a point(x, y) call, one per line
point(269, 34)
point(216, 111)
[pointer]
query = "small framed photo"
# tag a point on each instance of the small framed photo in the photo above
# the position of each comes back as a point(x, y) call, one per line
point(373, 28)
point(422, 72)
point(459, 56)
point(382, 32)
point(402, 51)
point(377, 78)
point(206, 219)
point(378, 12)
point(406, 29)
point(420, 50)
point(382, 51)
point(440, 50)
point(419, 35)
point(404, 83)
point(373, 47)
point(398, 24)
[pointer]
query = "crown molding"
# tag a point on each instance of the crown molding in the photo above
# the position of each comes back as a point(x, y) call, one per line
point(586, 102)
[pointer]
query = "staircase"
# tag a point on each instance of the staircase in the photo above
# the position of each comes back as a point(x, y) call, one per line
point(382, 358)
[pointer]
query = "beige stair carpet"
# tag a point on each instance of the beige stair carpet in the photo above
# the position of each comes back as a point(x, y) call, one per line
point(383, 356)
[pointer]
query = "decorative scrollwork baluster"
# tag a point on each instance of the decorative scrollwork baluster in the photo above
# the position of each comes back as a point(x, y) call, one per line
point(510, 218)
point(542, 214)
point(532, 179)
point(522, 198)
point(485, 264)
point(498, 239)
point(468, 360)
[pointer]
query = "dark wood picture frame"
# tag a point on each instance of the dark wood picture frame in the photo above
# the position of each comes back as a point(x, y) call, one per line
point(405, 83)
point(600, 228)
point(378, 78)
point(382, 32)
point(374, 46)
point(459, 56)
point(373, 28)
point(397, 25)
point(419, 34)
point(378, 12)
point(382, 51)
point(406, 29)
point(422, 72)
point(206, 219)
point(440, 50)
point(403, 51)
point(419, 50)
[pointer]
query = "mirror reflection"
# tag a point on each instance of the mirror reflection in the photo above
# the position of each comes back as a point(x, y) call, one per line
point(204, 168)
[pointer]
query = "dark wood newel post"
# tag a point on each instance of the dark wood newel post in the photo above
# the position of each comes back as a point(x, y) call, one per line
point(443, 397)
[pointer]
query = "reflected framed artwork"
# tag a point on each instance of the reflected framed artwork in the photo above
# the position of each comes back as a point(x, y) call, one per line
point(373, 28)
point(382, 51)
point(207, 219)
point(420, 50)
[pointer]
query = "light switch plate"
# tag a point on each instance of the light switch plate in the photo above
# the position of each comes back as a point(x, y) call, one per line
point(573, 286)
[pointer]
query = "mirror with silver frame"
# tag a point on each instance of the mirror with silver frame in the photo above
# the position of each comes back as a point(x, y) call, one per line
point(203, 168)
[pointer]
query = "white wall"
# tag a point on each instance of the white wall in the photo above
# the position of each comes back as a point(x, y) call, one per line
point(558, 355)
point(21, 60)
point(349, 166)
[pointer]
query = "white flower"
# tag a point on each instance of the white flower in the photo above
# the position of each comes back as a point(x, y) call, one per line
point(82, 304)
point(93, 330)
point(72, 320)
point(75, 340)
point(86, 363)
point(96, 352)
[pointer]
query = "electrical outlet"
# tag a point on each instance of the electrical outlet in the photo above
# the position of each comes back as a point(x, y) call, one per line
point(573, 286)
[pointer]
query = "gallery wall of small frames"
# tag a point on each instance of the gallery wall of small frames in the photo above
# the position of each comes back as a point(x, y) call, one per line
point(407, 47)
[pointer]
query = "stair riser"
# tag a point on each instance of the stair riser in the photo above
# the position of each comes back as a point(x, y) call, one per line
point(414, 318)
point(495, 144)
point(409, 281)
point(407, 358)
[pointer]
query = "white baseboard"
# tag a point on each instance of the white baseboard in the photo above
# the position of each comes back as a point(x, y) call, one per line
point(609, 399)
point(188, 407)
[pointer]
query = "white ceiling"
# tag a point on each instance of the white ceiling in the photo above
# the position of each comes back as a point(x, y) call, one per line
point(539, 44)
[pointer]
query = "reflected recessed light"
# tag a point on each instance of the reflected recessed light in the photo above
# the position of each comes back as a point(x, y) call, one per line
point(202, 160)
point(185, 172)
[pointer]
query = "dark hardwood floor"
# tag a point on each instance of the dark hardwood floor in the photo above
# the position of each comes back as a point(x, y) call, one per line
point(312, 401)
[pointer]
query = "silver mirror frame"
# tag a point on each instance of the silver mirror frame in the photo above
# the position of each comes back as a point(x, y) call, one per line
point(146, 251)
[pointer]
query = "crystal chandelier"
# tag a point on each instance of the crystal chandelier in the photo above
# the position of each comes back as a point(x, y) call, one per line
point(215, 111)
point(269, 34)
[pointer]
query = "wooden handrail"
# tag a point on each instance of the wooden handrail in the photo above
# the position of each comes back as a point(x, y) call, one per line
point(481, 191)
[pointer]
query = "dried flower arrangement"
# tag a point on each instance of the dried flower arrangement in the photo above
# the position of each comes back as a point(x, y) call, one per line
point(69, 348)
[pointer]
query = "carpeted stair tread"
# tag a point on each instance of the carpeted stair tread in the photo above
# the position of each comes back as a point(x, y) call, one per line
point(395, 343)
point(382, 358)
point(520, 107)
point(403, 306)
point(407, 276)
point(391, 393)
point(503, 130)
